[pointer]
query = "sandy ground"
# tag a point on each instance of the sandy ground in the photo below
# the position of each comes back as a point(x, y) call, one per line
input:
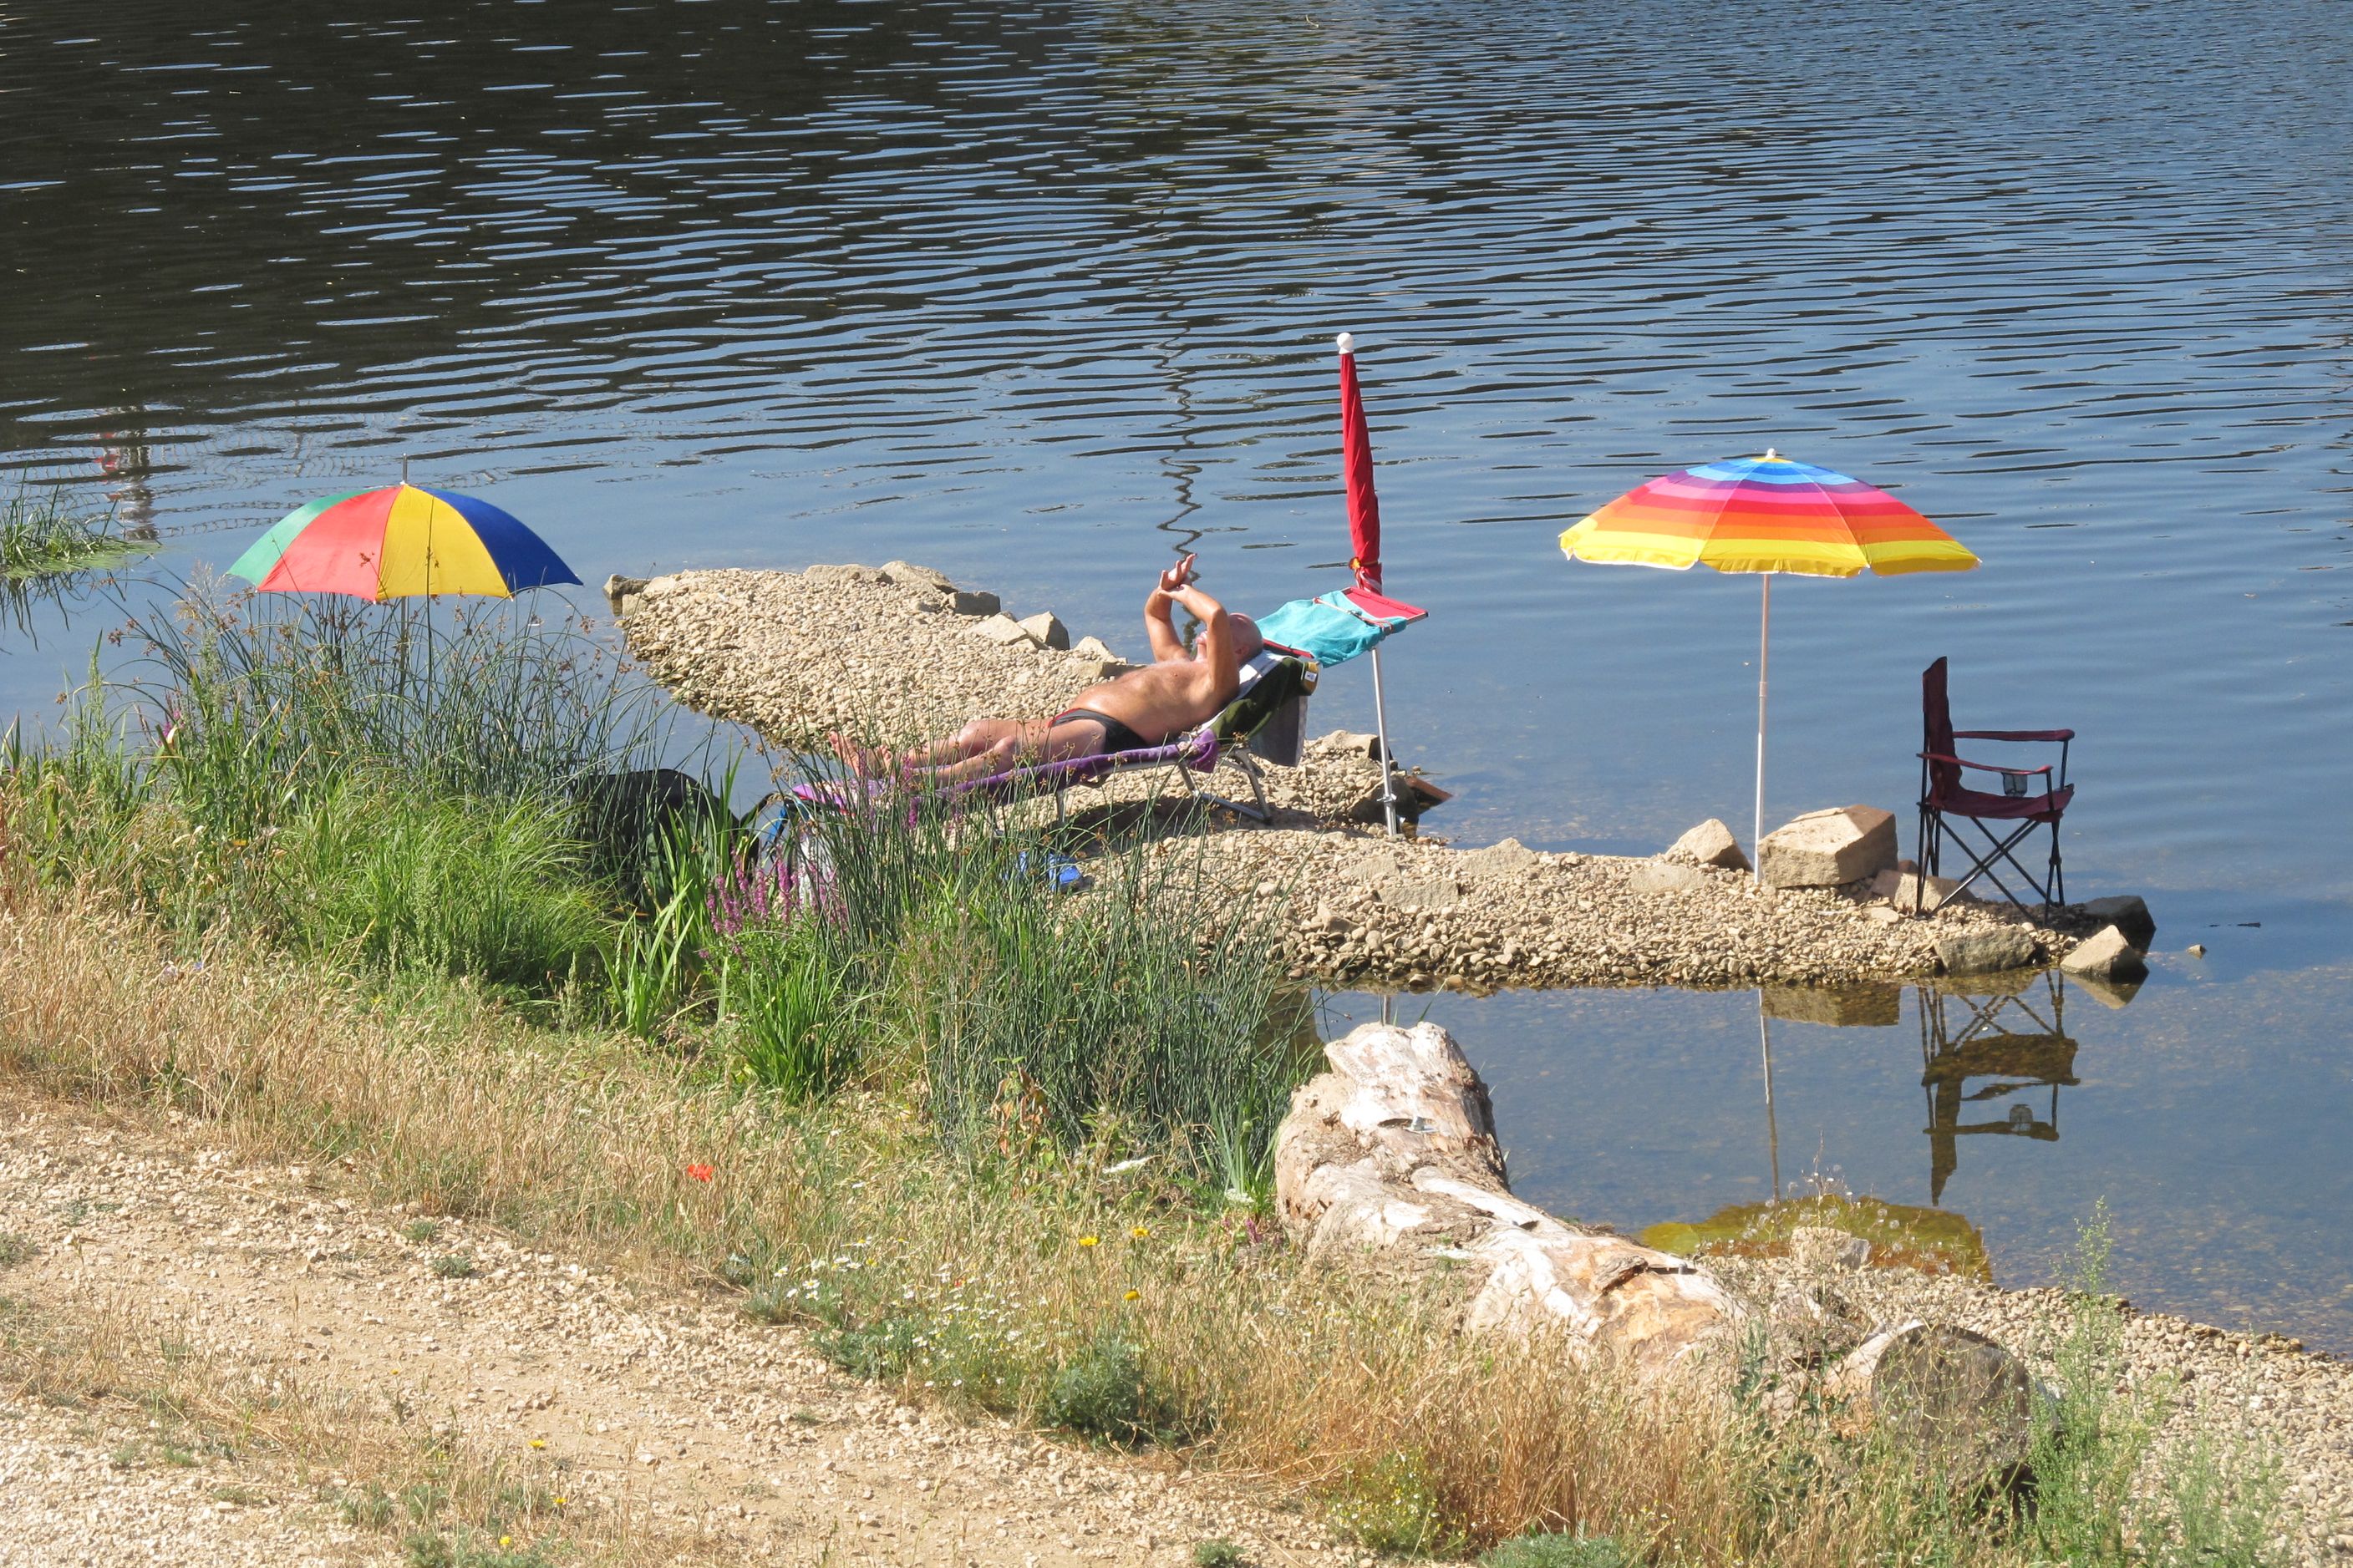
point(693, 1434)
point(728, 1440)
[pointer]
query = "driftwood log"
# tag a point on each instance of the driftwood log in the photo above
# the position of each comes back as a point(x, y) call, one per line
point(1388, 1162)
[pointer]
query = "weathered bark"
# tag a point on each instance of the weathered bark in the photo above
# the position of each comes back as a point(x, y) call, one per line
point(1949, 1395)
point(1390, 1160)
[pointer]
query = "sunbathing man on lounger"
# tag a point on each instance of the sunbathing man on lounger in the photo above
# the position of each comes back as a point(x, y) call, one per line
point(1181, 688)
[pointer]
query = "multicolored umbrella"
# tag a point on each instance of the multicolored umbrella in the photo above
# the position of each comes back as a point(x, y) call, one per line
point(399, 542)
point(1765, 515)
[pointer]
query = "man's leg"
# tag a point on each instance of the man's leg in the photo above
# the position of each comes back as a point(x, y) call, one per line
point(988, 746)
point(977, 736)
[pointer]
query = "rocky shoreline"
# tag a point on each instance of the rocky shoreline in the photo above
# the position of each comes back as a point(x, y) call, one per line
point(900, 650)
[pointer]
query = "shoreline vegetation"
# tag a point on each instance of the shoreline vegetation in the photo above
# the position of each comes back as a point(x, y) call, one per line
point(996, 1148)
point(42, 536)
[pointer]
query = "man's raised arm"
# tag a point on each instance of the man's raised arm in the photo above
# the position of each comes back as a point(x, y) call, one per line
point(1166, 646)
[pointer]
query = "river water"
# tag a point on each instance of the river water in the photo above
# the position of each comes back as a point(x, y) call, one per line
point(1038, 294)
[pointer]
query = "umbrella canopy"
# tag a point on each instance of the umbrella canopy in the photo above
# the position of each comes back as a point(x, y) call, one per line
point(1765, 515)
point(399, 542)
point(1356, 463)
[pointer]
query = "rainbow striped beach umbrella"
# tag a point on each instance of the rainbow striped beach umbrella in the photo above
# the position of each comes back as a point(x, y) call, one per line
point(1765, 515)
point(399, 543)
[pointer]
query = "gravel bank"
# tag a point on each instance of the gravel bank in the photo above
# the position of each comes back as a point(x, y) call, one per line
point(1377, 911)
point(2265, 1391)
point(668, 1408)
point(885, 651)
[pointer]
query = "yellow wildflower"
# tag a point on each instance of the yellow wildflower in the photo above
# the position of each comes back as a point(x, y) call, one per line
point(539, 1442)
point(1089, 1241)
point(1135, 1295)
point(1141, 1233)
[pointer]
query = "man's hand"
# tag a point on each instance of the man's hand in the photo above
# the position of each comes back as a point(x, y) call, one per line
point(1177, 578)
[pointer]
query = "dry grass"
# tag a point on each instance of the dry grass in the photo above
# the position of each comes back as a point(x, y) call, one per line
point(974, 1283)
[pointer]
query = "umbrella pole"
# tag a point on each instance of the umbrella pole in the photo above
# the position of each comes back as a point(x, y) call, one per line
point(1772, 1128)
point(1764, 649)
point(1389, 770)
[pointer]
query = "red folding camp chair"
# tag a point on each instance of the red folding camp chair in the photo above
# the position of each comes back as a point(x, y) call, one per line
point(2003, 820)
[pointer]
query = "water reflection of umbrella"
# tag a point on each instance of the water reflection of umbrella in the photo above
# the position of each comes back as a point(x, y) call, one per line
point(399, 542)
point(1765, 515)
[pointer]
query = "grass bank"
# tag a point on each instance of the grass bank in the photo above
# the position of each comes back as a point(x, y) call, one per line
point(996, 1148)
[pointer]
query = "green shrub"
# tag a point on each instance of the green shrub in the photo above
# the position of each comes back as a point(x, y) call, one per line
point(1554, 1550)
point(1102, 1392)
point(453, 1266)
point(1394, 1508)
point(1218, 1553)
point(788, 994)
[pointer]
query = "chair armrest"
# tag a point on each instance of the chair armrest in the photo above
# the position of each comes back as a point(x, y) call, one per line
point(2013, 735)
point(1981, 767)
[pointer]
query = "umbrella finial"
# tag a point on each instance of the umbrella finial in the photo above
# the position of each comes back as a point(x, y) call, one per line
point(1347, 342)
point(1771, 456)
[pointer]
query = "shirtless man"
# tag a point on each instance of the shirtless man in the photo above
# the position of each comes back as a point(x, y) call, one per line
point(1180, 689)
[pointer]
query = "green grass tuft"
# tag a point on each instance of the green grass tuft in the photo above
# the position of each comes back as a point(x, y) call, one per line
point(42, 536)
point(1553, 1550)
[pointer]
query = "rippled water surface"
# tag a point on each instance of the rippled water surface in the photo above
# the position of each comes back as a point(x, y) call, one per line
point(1038, 294)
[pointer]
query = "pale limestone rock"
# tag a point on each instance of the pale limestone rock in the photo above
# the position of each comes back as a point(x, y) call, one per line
point(1004, 632)
point(1830, 848)
point(905, 575)
point(1508, 858)
point(1094, 647)
point(1823, 1248)
point(1982, 949)
point(619, 590)
point(978, 603)
point(2108, 956)
point(1665, 877)
point(1045, 630)
point(842, 574)
point(1710, 844)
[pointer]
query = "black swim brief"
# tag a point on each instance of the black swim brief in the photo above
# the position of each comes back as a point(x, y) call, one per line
point(1114, 736)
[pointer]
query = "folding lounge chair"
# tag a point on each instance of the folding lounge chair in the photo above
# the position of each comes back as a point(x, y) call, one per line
point(2014, 814)
point(1266, 716)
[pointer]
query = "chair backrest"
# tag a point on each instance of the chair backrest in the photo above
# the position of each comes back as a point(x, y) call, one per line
point(1286, 681)
point(1936, 730)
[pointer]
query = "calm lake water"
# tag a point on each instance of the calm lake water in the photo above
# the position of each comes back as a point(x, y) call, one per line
point(1039, 294)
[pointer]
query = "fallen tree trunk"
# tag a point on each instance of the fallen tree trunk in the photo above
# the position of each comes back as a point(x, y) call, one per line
point(1388, 1162)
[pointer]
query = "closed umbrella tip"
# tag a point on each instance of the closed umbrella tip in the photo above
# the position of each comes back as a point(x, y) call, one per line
point(1347, 342)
